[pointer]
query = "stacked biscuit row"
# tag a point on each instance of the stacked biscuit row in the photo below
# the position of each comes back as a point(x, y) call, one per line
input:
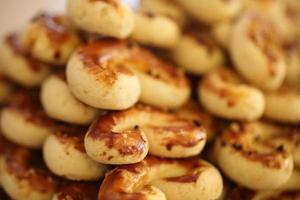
point(113, 101)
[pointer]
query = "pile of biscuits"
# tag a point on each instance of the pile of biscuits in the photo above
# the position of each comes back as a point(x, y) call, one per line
point(166, 99)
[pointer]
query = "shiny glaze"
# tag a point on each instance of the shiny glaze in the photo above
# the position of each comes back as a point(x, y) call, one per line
point(108, 58)
point(125, 182)
point(130, 141)
point(185, 136)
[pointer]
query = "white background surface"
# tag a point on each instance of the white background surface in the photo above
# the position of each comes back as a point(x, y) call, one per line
point(15, 13)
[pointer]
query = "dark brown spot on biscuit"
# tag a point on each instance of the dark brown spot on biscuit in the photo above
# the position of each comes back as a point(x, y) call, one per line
point(149, 14)
point(280, 148)
point(237, 146)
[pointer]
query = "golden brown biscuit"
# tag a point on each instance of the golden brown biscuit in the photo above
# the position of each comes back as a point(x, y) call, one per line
point(106, 17)
point(49, 39)
point(18, 65)
point(125, 137)
point(256, 51)
point(197, 52)
point(146, 29)
point(60, 104)
point(24, 175)
point(224, 94)
point(65, 155)
point(112, 74)
point(24, 122)
point(161, 179)
point(212, 11)
point(253, 155)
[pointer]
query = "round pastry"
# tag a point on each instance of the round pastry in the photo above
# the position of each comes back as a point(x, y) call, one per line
point(112, 18)
point(172, 10)
point(49, 39)
point(224, 94)
point(60, 104)
point(77, 191)
point(124, 137)
point(24, 122)
point(97, 78)
point(146, 29)
point(256, 51)
point(18, 65)
point(212, 11)
point(197, 52)
point(65, 155)
point(161, 179)
point(247, 155)
point(283, 105)
point(24, 175)
point(111, 74)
